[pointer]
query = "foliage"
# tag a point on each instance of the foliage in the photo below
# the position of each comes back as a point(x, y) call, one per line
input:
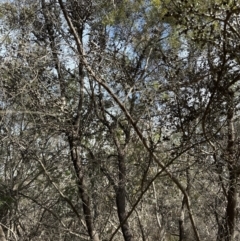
point(119, 115)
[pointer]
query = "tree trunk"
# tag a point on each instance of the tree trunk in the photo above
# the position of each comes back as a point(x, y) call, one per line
point(82, 190)
point(226, 230)
point(227, 234)
point(231, 206)
point(121, 199)
point(181, 222)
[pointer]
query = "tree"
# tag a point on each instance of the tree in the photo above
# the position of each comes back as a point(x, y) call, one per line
point(119, 116)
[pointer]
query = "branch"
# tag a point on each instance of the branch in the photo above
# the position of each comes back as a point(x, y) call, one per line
point(59, 191)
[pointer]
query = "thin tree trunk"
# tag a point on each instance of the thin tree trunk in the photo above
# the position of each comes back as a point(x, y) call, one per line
point(231, 206)
point(181, 221)
point(229, 222)
point(82, 190)
point(162, 231)
point(77, 125)
point(121, 199)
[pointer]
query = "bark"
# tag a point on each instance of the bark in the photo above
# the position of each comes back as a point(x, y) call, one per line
point(121, 199)
point(83, 190)
point(227, 234)
point(231, 206)
point(227, 227)
point(162, 232)
point(181, 222)
point(182, 213)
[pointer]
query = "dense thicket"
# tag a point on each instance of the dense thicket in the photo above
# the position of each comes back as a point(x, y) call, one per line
point(119, 120)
